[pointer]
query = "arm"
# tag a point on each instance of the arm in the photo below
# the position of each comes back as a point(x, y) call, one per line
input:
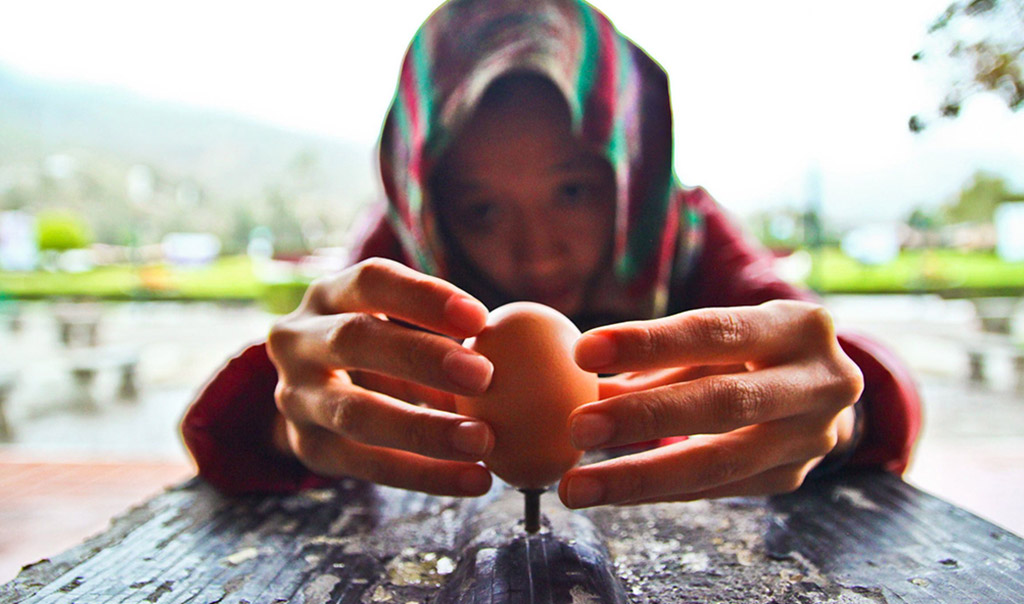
point(335, 422)
point(734, 271)
point(228, 430)
point(754, 374)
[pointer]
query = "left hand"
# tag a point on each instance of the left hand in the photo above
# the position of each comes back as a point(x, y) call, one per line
point(763, 392)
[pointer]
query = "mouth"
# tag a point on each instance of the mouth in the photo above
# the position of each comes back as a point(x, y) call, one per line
point(556, 295)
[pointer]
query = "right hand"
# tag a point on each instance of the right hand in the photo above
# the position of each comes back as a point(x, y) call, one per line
point(349, 378)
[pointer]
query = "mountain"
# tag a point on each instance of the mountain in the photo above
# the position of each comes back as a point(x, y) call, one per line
point(227, 157)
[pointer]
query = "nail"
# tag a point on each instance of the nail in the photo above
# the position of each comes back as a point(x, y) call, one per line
point(465, 314)
point(595, 351)
point(468, 370)
point(583, 492)
point(473, 438)
point(590, 430)
point(475, 481)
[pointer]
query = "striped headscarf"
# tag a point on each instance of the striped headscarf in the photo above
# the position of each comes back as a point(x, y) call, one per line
point(618, 101)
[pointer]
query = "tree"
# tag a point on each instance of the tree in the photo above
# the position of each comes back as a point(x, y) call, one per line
point(61, 231)
point(923, 219)
point(288, 237)
point(981, 43)
point(978, 199)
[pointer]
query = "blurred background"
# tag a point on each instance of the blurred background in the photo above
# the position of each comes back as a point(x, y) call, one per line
point(173, 175)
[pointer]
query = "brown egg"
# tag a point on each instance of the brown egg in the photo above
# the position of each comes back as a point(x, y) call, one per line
point(535, 386)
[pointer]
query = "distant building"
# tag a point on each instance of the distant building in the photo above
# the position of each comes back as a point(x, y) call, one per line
point(1009, 226)
point(18, 248)
point(190, 248)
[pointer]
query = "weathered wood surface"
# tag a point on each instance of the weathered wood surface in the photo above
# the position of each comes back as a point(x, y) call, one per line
point(859, 537)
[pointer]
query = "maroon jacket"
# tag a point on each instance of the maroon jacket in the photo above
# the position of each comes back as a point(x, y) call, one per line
point(228, 427)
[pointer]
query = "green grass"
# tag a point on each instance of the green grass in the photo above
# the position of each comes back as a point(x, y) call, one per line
point(939, 271)
point(231, 278)
point(228, 278)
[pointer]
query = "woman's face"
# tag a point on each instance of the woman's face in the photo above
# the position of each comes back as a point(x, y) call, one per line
point(527, 204)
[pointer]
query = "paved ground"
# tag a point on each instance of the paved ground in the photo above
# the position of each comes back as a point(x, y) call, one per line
point(78, 456)
point(971, 450)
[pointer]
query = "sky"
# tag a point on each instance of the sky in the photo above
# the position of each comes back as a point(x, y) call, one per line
point(768, 97)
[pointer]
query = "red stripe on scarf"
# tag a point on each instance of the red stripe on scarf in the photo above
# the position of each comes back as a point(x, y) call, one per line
point(602, 101)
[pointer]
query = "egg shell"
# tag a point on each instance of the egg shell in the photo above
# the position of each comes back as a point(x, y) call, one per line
point(535, 386)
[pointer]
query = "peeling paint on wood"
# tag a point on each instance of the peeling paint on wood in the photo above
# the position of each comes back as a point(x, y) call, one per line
point(866, 538)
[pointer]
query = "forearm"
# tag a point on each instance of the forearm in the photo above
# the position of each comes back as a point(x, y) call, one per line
point(231, 431)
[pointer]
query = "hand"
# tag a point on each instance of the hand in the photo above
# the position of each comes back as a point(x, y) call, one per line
point(349, 365)
point(763, 393)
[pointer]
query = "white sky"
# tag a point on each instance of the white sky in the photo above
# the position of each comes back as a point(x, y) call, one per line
point(764, 92)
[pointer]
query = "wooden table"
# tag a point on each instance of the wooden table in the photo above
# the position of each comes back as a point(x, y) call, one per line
point(857, 537)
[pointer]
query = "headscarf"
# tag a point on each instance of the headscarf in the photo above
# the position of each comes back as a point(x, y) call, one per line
point(618, 101)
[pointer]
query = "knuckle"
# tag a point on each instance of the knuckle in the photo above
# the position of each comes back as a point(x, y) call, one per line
point(845, 382)
point(815, 316)
point(418, 437)
point(310, 450)
point(723, 468)
point(316, 294)
point(649, 418)
point(813, 322)
point(789, 481)
point(634, 486)
point(741, 402)
point(417, 351)
point(348, 415)
point(722, 328)
point(853, 378)
point(281, 337)
point(821, 444)
point(366, 275)
point(646, 343)
point(319, 286)
point(350, 327)
point(369, 467)
point(286, 396)
point(827, 442)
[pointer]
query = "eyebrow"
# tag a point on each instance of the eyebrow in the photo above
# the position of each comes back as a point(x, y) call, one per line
point(461, 186)
point(577, 161)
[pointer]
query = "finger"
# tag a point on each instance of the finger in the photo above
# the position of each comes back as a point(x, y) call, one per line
point(374, 419)
point(404, 390)
point(712, 336)
point(638, 381)
point(328, 454)
point(364, 342)
point(784, 479)
point(709, 405)
point(695, 465)
point(390, 288)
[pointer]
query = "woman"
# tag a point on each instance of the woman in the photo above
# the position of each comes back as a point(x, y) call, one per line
point(528, 155)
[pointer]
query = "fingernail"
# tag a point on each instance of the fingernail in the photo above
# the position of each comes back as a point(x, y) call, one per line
point(595, 351)
point(465, 314)
point(468, 370)
point(590, 430)
point(475, 481)
point(582, 492)
point(473, 438)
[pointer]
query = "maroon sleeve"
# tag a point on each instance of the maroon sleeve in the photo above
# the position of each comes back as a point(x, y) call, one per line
point(731, 270)
point(892, 406)
point(228, 428)
point(376, 238)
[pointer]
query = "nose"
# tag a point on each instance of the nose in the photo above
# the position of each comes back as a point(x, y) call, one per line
point(540, 244)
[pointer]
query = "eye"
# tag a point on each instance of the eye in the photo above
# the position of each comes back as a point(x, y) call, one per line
point(573, 193)
point(480, 214)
